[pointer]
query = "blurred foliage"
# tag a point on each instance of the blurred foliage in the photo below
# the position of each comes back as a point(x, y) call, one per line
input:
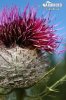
point(52, 86)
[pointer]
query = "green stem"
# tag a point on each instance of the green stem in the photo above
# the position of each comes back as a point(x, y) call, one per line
point(51, 88)
point(58, 82)
point(20, 94)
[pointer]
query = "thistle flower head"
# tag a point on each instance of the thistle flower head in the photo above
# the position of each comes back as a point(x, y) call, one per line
point(20, 67)
point(26, 30)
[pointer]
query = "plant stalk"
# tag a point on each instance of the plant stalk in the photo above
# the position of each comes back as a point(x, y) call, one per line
point(20, 94)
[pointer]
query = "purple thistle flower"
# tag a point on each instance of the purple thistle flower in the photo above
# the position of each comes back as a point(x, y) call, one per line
point(21, 63)
point(26, 30)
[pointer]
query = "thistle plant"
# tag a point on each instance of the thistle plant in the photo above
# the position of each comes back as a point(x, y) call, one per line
point(25, 42)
